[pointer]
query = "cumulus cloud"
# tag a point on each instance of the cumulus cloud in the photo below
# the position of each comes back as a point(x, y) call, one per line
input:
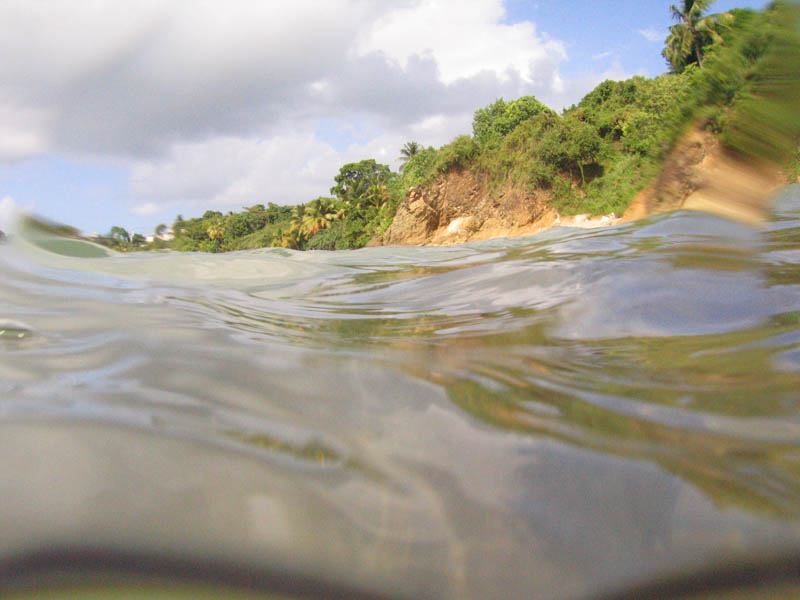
point(148, 208)
point(652, 35)
point(133, 78)
point(219, 104)
point(233, 172)
point(22, 131)
point(602, 55)
point(466, 39)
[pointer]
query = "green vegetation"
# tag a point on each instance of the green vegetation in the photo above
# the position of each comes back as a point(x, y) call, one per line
point(594, 158)
point(694, 32)
point(255, 227)
point(736, 72)
point(497, 120)
point(45, 226)
point(365, 197)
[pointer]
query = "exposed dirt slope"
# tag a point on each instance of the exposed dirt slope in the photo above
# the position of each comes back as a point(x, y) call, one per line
point(698, 174)
point(460, 207)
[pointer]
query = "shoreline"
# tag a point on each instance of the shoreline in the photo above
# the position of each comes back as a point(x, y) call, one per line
point(697, 174)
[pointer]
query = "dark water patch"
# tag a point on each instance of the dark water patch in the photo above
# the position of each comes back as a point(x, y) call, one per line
point(14, 330)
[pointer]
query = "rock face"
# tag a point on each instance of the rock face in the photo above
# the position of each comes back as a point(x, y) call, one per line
point(459, 207)
point(696, 174)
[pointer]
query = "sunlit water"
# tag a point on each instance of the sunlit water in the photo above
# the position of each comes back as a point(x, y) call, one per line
point(542, 417)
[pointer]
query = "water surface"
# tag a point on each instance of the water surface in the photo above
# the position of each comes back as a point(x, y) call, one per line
point(541, 417)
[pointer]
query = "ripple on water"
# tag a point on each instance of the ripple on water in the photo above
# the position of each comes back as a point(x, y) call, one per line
point(534, 416)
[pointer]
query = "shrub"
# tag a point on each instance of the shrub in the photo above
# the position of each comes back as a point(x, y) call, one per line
point(458, 154)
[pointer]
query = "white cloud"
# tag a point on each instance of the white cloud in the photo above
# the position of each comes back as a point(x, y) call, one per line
point(133, 78)
point(216, 103)
point(652, 35)
point(465, 39)
point(602, 55)
point(22, 132)
point(148, 208)
point(229, 173)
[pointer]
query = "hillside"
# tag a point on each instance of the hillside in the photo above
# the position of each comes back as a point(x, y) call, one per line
point(697, 173)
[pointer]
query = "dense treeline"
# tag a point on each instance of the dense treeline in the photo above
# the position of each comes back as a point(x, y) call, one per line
point(737, 72)
point(365, 198)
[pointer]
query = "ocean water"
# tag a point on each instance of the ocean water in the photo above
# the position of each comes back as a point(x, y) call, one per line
point(555, 416)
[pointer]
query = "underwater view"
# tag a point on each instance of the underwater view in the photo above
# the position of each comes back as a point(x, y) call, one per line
point(563, 415)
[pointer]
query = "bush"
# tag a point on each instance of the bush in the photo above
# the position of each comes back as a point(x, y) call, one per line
point(419, 168)
point(497, 120)
point(458, 154)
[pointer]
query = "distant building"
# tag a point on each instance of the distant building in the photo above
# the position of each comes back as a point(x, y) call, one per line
point(164, 237)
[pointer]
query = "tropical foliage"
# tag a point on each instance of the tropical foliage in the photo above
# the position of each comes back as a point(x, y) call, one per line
point(366, 195)
point(689, 38)
point(407, 152)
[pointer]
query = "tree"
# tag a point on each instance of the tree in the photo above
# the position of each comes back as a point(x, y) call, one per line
point(571, 144)
point(289, 238)
point(317, 215)
point(692, 33)
point(215, 231)
point(119, 234)
point(354, 179)
point(499, 119)
point(409, 151)
point(585, 145)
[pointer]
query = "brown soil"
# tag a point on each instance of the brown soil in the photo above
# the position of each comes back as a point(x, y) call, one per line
point(460, 207)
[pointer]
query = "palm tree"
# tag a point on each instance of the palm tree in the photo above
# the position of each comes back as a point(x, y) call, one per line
point(317, 216)
point(297, 216)
point(692, 32)
point(409, 151)
point(376, 195)
point(215, 231)
point(289, 238)
point(355, 191)
point(120, 234)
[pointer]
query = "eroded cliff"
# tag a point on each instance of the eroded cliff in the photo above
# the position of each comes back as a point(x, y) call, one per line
point(461, 206)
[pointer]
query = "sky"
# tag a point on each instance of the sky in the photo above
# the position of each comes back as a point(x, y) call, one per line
point(130, 113)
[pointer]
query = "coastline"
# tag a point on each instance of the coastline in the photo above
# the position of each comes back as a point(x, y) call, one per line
point(697, 174)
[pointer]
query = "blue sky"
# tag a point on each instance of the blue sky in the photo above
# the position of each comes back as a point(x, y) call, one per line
point(131, 114)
